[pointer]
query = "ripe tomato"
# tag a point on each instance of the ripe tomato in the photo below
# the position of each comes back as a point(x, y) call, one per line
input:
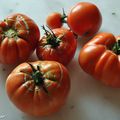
point(58, 45)
point(18, 38)
point(54, 20)
point(84, 19)
point(39, 88)
point(100, 57)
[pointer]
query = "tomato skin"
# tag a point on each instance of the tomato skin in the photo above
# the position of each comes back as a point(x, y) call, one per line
point(32, 99)
point(98, 60)
point(84, 19)
point(18, 38)
point(54, 20)
point(62, 53)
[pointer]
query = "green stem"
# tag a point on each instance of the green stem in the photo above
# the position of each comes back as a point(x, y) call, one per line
point(116, 47)
point(64, 16)
point(38, 78)
point(51, 38)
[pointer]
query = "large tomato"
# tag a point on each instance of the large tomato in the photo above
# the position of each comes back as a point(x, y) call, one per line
point(100, 58)
point(39, 88)
point(18, 38)
point(58, 45)
point(84, 19)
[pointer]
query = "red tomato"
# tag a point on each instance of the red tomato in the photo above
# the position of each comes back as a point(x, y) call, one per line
point(18, 38)
point(59, 45)
point(39, 88)
point(54, 20)
point(84, 19)
point(100, 57)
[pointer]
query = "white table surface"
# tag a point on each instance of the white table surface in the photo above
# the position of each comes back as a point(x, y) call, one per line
point(88, 98)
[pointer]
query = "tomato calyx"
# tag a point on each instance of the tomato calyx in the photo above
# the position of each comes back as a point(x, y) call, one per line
point(10, 33)
point(116, 47)
point(38, 78)
point(7, 31)
point(51, 38)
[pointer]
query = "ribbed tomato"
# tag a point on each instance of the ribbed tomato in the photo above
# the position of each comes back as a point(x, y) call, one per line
point(58, 44)
point(39, 88)
point(18, 38)
point(100, 57)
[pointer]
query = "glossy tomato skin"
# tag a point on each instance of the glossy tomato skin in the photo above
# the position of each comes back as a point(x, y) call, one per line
point(18, 38)
point(97, 59)
point(62, 53)
point(54, 20)
point(84, 19)
point(33, 99)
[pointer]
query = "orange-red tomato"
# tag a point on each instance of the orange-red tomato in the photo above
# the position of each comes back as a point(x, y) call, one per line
point(18, 38)
point(54, 20)
point(39, 88)
point(60, 45)
point(100, 58)
point(84, 19)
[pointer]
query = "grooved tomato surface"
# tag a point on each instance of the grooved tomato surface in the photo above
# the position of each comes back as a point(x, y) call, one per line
point(39, 88)
point(18, 38)
point(98, 59)
point(61, 46)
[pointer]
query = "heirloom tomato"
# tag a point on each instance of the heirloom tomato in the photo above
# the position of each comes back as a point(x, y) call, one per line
point(100, 57)
point(58, 44)
point(39, 88)
point(18, 38)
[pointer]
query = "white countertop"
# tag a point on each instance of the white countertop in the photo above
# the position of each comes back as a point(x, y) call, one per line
point(88, 99)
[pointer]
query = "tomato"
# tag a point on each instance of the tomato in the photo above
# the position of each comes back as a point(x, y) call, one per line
point(100, 57)
point(58, 45)
point(38, 88)
point(84, 19)
point(54, 20)
point(18, 38)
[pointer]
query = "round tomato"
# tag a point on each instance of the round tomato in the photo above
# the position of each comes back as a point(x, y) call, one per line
point(39, 88)
point(58, 45)
point(54, 20)
point(100, 57)
point(84, 19)
point(18, 38)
